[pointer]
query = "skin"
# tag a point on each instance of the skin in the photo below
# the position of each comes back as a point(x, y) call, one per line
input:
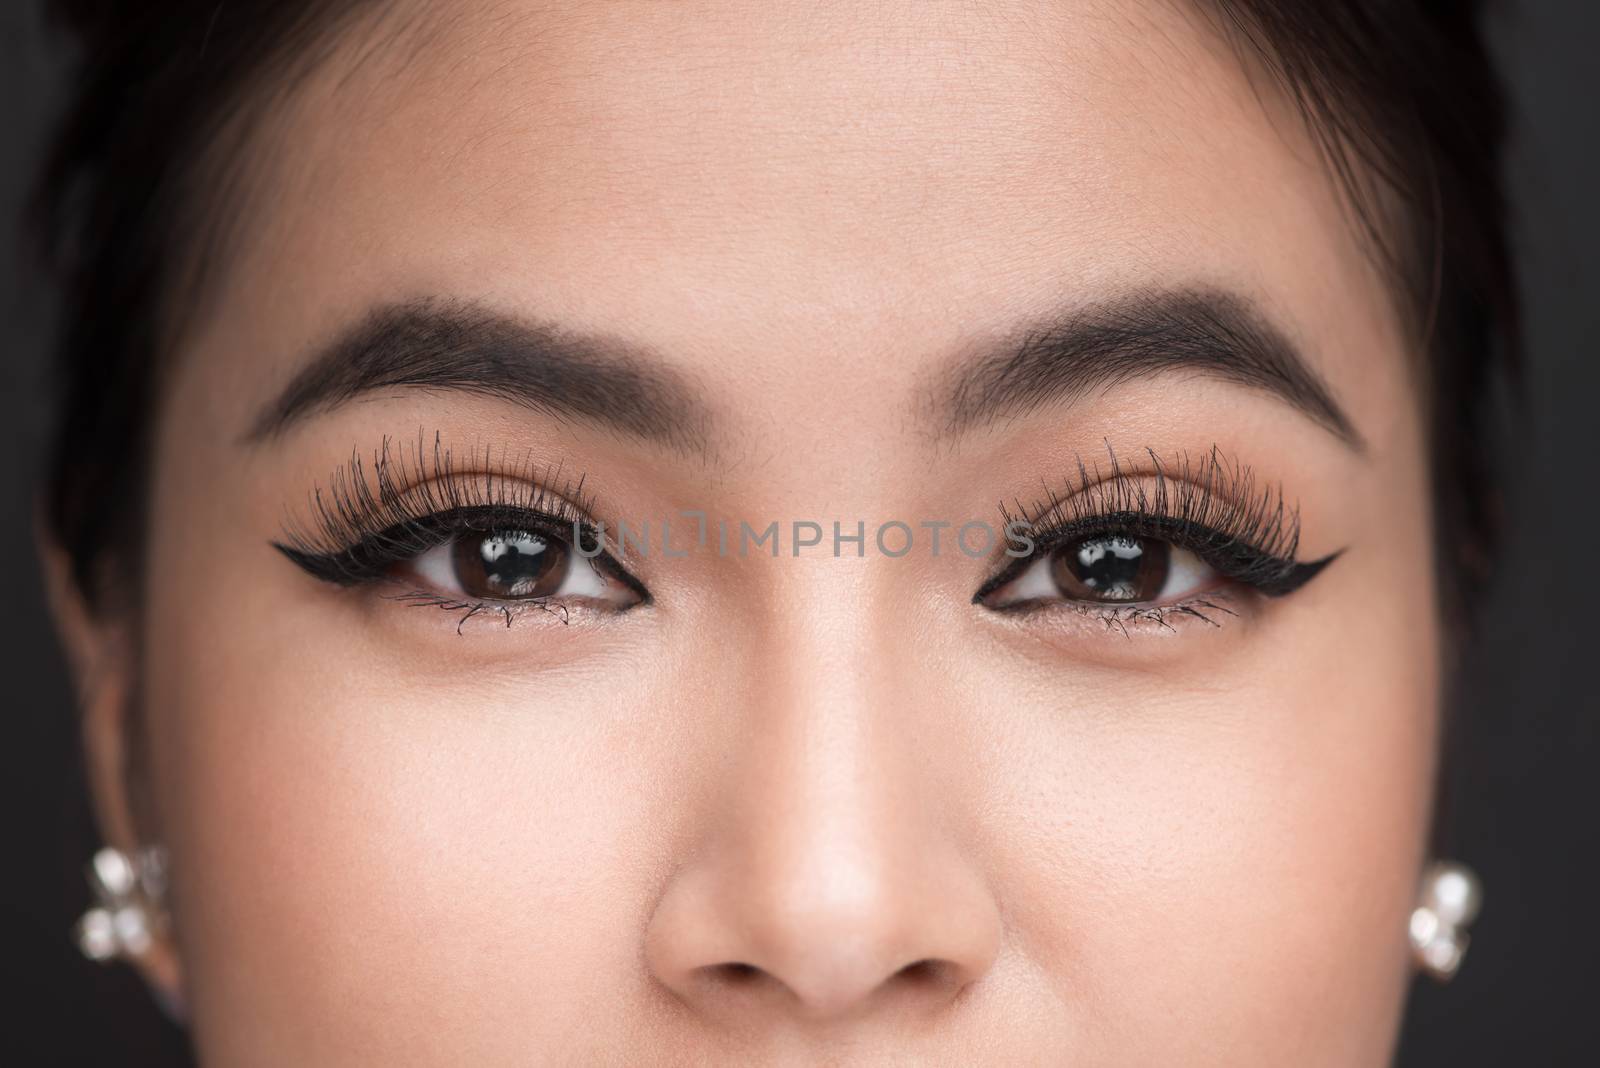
point(393, 842)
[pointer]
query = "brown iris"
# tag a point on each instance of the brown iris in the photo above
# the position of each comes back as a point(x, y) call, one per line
point(1112, 568)
point(509, 564)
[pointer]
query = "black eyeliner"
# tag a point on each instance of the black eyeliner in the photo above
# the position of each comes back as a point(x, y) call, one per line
point(371, 555)
point(414, 498)
point(1211, 508)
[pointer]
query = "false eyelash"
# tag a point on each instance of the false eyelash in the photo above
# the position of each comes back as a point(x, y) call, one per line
point(415, 498)
point(470, 608)
point(1210, 507)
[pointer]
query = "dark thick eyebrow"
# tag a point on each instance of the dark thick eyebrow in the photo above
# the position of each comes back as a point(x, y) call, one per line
point(1204, 332)
point(462, 347)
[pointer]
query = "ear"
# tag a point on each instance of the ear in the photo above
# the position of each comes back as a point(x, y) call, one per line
point(102, 660)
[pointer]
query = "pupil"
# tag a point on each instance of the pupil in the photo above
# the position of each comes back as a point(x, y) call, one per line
point(509, 564)
point(1112, 567)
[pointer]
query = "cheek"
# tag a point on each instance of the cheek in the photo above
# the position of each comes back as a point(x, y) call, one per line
point(375, 861)
point(1250, 856)
point(381, 854)
point(1243, 841)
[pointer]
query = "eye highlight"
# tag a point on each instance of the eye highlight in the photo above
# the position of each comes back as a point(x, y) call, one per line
point(471, 541)
point(1141, 545)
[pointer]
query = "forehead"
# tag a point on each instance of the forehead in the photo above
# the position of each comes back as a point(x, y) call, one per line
point(748, 181)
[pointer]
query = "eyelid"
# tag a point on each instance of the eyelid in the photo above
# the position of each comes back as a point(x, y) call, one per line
point(366, 558)
point(1212, 493)
point(1210, 507)
point(413, 482)
point(413, 496)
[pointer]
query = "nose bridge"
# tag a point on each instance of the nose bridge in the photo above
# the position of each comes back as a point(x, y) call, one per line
point(823, 868)
point(827, 720)
point(824, 802)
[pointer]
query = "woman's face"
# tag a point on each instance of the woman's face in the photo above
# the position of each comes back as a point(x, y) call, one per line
point(1156, 794)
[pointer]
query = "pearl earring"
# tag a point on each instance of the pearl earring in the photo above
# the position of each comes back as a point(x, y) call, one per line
point(127, 914)
point(1450, 898)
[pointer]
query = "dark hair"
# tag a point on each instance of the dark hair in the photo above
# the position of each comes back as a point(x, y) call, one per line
point(1400, 95)
point(129, 217)
point(1407, 108)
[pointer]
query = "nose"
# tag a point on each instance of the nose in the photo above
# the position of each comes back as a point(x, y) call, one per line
point(826, 881)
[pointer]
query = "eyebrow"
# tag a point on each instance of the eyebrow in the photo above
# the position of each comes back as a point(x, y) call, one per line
point(1210, 333)
point(461, 347)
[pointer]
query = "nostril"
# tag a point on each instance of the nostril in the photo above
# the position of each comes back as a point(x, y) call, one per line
point(919, 974)
point(927, 974)
point(735, 972)
point(749, 984)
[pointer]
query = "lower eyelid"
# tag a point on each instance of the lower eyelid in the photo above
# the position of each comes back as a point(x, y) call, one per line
point(1208, 609)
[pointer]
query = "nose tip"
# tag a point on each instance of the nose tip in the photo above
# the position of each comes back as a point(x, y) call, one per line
point(827, 871)
point(822, 948)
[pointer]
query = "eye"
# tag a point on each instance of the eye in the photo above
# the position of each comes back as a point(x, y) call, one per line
point(1109, 569)
point(514, 565)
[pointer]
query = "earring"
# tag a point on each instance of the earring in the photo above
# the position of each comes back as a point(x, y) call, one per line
point(127, 914)
point(1449, 900)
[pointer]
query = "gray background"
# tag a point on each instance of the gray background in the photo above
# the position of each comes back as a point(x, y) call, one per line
point(1527, 798)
